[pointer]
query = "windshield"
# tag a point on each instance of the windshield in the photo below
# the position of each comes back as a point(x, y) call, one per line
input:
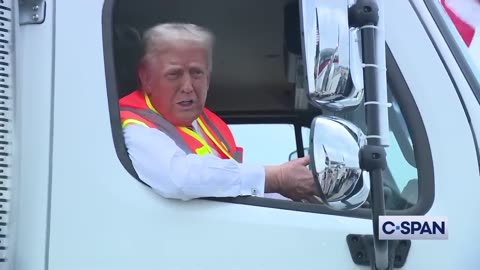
point(276, 144)
point(459, 23)
point(464, 18)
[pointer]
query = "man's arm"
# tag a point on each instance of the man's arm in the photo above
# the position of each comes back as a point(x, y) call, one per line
point(172, 173)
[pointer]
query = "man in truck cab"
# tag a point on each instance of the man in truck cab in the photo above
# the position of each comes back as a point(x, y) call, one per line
point(180, 148)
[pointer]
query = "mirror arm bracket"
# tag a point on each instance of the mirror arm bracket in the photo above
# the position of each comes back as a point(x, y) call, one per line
point(363, 12)
point(362, 251)
point(372, 156)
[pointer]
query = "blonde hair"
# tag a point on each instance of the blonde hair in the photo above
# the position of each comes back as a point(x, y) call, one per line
point(157, 38)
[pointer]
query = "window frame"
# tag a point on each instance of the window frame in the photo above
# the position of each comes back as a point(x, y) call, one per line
point(456, 45)
point(459, 51)
point(298, 120)
point(400, 91)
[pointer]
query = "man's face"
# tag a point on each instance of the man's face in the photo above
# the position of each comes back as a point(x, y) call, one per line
point(177, 82)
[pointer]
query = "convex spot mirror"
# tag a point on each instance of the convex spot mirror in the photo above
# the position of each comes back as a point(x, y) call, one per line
point(331, 55)
point(334, 151)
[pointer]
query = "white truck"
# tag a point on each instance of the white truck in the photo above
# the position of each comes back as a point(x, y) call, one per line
point(70, 198)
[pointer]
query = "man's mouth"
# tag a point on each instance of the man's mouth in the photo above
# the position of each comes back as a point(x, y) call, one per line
point(185, 103)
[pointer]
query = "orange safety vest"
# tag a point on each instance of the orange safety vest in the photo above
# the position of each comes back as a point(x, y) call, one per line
point(136, 108)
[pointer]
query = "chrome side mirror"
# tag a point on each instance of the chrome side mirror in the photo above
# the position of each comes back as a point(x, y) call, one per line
point(334, 151)
point(331, 55)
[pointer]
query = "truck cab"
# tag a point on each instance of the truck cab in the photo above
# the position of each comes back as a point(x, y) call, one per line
point(70, 196)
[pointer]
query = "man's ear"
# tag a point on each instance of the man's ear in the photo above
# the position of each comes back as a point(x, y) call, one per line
point(209, 76)
point(143, 76)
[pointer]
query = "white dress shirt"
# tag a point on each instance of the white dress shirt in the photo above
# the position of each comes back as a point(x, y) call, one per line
point(161, 164)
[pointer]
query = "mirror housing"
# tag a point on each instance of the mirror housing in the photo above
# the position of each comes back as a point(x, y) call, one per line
point(334, 151)
point(331, 55)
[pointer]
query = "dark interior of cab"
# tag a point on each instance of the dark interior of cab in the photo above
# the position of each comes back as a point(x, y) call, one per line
point(254, 44)
point(252, 39)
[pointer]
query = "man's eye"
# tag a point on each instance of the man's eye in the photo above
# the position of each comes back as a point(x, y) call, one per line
point(172, 75)
point(198, 73)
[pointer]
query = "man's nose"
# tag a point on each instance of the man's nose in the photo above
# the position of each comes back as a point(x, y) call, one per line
point(187, 85)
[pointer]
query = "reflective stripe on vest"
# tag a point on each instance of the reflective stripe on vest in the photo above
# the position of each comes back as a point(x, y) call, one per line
point(169, 129)
point(214, 129)
point(205, 149)
point(209, 135)
point(136, 108)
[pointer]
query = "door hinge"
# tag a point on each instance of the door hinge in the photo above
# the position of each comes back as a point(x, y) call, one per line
point(32, 11)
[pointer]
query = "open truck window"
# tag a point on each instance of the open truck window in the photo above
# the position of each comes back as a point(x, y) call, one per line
point(256, 84)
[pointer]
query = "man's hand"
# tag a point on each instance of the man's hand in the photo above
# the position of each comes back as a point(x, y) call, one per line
point(292, 179)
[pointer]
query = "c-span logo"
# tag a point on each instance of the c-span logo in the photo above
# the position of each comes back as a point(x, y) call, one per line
point(412, 227)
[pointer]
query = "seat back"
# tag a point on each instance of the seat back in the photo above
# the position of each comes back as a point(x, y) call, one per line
point(128, 50)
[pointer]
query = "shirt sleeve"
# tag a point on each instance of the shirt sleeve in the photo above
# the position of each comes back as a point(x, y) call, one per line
point(161, 164)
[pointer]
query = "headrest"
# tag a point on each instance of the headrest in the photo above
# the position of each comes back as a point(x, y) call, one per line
point(128, 50)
